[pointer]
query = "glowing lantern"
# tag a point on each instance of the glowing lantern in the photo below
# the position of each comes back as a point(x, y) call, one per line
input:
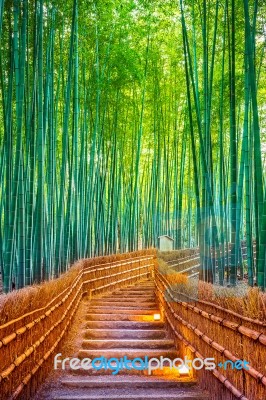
point(183, 370)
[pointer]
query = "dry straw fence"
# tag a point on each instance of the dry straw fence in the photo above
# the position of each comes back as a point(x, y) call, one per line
point(203, 329)
point(42, 314)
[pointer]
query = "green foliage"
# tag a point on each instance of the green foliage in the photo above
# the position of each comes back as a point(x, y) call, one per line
point(123, 121)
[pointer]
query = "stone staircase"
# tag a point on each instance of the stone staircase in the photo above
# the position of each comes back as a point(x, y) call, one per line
point(117, 325)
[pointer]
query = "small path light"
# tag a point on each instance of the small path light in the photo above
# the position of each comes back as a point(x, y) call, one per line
point(183, 370)
point(156, 317)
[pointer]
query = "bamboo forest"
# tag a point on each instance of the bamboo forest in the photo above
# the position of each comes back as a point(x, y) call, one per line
point(122, 121)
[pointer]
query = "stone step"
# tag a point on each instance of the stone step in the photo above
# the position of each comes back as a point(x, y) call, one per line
point(125, 334)
point(142, 286)
point(121, 317)
point(143, 283)
point(118, 294)
point(115, 310)
point(124, 325)
point(135, 394)
point(122, 300)
point(143, 291)
point(124, 382)
point(133, 298)
point(128, 344)
point(129, 353)
point(101, 371)
point(146, 283)
point(127, 293)
point(128, 307)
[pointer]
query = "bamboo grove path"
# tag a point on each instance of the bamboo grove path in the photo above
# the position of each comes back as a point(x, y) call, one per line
point(121, 324)
point(121, 294)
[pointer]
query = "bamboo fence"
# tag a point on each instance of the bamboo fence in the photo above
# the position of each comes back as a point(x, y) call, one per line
point(203, 329)
point(28, 342)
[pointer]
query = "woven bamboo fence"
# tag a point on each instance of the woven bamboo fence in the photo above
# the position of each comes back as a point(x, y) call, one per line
point(28, 342)
point(203, 329)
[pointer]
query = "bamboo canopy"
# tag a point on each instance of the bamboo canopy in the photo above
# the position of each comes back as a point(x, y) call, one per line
point(124, 121)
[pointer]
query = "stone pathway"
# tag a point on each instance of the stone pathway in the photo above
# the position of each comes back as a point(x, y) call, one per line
point(117, 325)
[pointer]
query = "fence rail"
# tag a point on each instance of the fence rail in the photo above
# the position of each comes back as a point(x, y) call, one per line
point(193, 270)
point(207, 330)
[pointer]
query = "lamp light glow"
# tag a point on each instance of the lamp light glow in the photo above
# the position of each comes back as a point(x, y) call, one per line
point(156, 317)
point(183, 370)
